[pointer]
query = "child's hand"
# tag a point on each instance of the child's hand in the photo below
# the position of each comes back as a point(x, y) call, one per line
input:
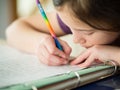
point(49, 54)
point(98, 53)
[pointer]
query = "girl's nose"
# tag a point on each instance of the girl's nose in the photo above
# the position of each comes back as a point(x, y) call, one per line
point(82, 41)
point(79, 40)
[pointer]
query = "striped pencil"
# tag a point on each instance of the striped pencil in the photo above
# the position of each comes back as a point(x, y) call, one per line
point(58, 45)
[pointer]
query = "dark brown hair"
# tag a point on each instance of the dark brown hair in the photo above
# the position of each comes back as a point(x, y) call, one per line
point(99, 14)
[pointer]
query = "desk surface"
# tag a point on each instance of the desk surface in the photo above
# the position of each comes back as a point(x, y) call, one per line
point(110, 83)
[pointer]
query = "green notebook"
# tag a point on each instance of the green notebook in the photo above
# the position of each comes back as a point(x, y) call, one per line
point(20, 71)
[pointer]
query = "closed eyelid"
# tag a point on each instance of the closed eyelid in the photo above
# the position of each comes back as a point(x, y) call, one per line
point(89, 30)
point(86, 32)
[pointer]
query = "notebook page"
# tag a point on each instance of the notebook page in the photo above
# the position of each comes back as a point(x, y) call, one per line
point(18, 67)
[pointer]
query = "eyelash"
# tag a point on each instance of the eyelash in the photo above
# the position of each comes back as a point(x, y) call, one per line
point(88, 33)
point(84, 32)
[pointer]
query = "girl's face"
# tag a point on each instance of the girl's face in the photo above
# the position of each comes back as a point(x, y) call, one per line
point(85, 35)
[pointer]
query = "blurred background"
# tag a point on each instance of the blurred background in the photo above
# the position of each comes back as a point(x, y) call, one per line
point(11, 10)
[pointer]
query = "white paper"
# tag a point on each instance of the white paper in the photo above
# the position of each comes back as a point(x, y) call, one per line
point(18, 67)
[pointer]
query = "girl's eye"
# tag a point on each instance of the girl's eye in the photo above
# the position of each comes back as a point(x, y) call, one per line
point(88, 33)
point(85, 32)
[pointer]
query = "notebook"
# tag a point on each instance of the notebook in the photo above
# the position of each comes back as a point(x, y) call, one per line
point(21, 71)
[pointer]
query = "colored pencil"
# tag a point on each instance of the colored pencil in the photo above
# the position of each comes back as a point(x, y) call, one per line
point(43, 14)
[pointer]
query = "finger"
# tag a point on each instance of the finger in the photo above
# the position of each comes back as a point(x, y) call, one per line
point(67, 49)
point(52, 59)
point(51, 47)
point(98, 61)
point(50, 62)
point(88, 62)
point(81, 58)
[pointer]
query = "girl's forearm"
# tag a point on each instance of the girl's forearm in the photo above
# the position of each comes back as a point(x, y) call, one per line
point(115, 55)
point(24, 37)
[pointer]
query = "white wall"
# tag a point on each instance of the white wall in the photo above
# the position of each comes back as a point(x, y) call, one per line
point(27, 7)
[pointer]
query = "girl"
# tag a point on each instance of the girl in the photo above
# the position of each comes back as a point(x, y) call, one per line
point(95, 24)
